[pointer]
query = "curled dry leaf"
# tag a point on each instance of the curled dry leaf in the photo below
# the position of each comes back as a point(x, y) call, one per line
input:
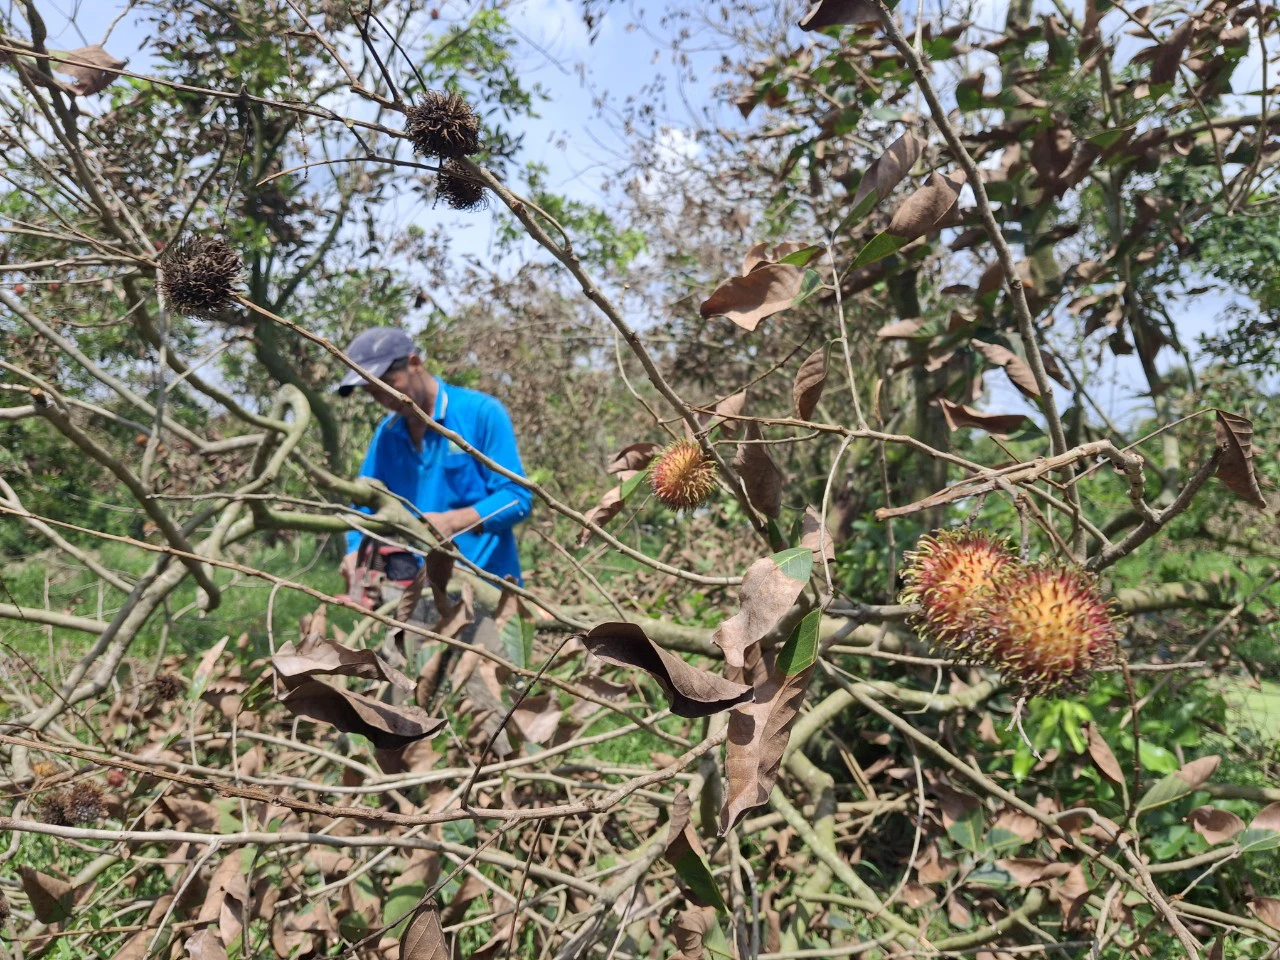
point(1101, 754)
point(91, 69)
point(831, 13)
point(608, 507)
point(1017, 369)
point(810, 379)
point(760, 475)
point(1266, 909)
point(692, 692)
point(205, 945)
point(51, 899)
point(729, 408)
point(635, 456)
point(319, 656)
point(759, 731)
point(1216, 826)
point(888, 169)
point(924, 211)
point(690, 930)
point(959, 416)
point(387, 726)
point(769, 588)
point(816, 536)
point(1235, 468)
point(423, 939)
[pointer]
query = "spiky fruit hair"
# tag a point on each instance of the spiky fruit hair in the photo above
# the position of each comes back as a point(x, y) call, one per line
point(443, 125)
point(949, 575)
point(53, 809)
point(456, 187)
point(166, 687)
point(84, 803)
point(199, 276)
point(682, 476)
point(1047, 628)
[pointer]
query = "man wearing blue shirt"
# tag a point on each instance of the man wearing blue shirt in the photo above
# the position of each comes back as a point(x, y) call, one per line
point(464, 500)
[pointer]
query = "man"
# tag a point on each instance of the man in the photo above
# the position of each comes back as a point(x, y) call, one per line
point(463, 499)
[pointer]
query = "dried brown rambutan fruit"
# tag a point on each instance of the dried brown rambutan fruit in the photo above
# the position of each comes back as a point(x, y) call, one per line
point(443, 125)
point(1047, 628)
point(52, 808)
point(198, 276)
point(682, 476)
point(456, 187)
point(44, 768)
point(166, 687)
point(84, 803)
point(948, 575)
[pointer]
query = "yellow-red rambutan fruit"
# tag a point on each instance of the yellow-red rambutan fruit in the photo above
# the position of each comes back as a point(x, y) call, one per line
point(682, 476)
point(949, 575)
point(1047, 628)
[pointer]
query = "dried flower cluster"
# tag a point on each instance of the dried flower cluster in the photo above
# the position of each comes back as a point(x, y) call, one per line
point(682, 477)
point(1044, 626)
point(199, 275)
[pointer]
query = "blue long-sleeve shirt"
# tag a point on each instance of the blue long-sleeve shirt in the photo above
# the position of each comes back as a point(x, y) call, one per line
point(441, 476)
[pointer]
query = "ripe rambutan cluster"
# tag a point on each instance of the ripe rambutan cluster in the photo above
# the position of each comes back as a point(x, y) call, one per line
point(682, 476)
point(1044, 626)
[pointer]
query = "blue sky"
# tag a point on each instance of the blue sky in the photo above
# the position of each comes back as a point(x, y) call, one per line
point(569, 138)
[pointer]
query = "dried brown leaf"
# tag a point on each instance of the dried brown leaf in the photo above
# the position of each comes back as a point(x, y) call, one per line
point(1017, 369)
point(810, 379)
point(760, 475)
point(959, 416)
point(635, 456)
point(205, 945)
point(766, 594)
point(1102, 756)
point(817, 537)
point(1019, 824)
point(608, 507)
point(830, 13)
point(1267, 819)
point(1026, 871)
point(888, 169)
point(1216, 826)
point(901, 329)
point(690, 929)
point(1196, 773)
point(729, 408)
point(320, 656)
point(422, 938)
point(923, 211)
point(51, 899)
point(746, 301)
point(387, 726)
point(757, 738)
point(88, 69)
point(692, 692)
point(1235, 468)
point(537, 718)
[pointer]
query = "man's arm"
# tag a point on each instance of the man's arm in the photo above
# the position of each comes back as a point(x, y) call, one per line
point(505, 502)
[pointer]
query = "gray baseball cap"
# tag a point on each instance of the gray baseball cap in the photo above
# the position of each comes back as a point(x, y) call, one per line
point(375, 350)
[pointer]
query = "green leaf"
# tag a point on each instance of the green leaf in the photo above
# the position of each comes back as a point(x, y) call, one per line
point(989, 875)
point(1156, 759)
point(1108, 138)
point(633, 483)
point(1254, 840)
point(796, 563)
point(999, 839)
point(399, 904)
point(968, 831)
point(809, 284)
point(517, 639)
point(697, 876)
point(880, 246)
point(1165, 790)
point(802, 258)
point(800, 652)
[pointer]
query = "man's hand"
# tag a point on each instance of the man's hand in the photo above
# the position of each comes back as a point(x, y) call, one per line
point(453, 522)
point(348, 569)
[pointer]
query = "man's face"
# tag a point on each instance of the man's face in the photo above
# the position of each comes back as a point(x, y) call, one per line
point(400, 380)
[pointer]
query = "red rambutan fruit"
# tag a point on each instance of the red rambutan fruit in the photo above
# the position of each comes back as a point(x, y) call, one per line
point(948, 575)
point(682, 476)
